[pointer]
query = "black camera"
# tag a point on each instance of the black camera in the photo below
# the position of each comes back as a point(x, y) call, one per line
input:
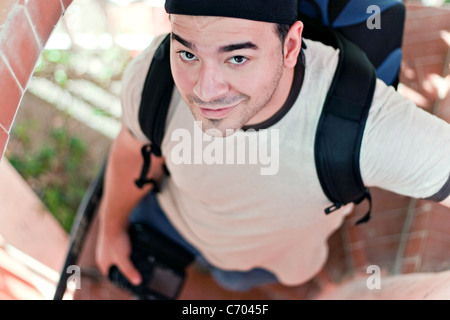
point(161, 262)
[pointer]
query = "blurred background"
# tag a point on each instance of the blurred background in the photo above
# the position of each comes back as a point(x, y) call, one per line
point(70, 113)
point(71, 109)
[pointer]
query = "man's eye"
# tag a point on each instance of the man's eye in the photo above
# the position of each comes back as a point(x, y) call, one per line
point(187, 56)
point(238, 60)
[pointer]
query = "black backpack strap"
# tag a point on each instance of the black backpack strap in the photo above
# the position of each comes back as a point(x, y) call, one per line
point(142, 180)
point(156, 96)
point(342, 122)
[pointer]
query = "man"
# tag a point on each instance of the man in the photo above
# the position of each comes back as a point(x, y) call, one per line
point(244, 79)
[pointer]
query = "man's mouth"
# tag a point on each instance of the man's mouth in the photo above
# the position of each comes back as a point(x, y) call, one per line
point(217, 113)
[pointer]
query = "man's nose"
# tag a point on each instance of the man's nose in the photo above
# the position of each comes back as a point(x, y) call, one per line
point(211, 84)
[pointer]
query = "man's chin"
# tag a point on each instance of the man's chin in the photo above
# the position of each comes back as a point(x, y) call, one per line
point(219, 132)
point(217, 128)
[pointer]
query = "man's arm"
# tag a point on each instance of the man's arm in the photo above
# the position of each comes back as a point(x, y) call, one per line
point(405, 149)
point(120, 196)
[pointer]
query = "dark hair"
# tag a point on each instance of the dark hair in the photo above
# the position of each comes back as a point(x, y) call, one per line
point(282, 30)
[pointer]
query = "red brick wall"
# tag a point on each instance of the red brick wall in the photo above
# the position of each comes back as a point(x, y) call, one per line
point(25, 26)
point(426, 58)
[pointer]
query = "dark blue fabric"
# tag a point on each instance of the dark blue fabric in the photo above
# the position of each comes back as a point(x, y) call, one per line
point(149, 212)
point(390, 67)
point(356, 11)
point(310, 10)
point(351, 22)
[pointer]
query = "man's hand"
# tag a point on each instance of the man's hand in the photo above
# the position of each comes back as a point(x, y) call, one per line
point(114, 248)
point(120, 197)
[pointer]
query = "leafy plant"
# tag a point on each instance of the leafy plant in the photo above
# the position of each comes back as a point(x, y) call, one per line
point(54, 171)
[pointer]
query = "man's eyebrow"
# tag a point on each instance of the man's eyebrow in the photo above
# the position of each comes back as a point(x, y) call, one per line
point(238, 46)
point(224, 49)
point(184, 42)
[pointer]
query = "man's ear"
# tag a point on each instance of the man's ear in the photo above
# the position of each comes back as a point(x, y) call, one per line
point(293, 44)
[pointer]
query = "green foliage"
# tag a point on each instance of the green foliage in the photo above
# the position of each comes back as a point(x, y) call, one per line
point(94, 65)
point(53, 166)
point(54, 171)
point(60, 77)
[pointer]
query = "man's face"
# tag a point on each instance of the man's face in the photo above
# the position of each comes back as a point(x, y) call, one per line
point(227, 70)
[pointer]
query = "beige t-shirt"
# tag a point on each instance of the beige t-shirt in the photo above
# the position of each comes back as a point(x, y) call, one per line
point(268, 211)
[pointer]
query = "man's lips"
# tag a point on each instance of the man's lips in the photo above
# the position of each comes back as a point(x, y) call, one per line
point(216, 113)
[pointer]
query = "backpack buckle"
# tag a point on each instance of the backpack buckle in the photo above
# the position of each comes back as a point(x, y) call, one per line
point(333, 208)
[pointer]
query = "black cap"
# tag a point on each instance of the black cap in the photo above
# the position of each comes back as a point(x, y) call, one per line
point(275, 11)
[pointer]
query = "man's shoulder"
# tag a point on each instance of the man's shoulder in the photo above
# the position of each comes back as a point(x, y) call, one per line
point(141, 63)
point(321, 61)
point(133, 81)
point(136, 72)
point(320, 53)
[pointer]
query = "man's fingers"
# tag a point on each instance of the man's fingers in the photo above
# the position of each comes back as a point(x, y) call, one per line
point(115, 250)
point(130, 272)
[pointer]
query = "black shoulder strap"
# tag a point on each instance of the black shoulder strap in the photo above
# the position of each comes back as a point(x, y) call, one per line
point(156, 96)
point(342, 122)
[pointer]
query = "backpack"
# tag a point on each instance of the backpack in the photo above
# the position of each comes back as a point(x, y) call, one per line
point(341, 125)
point(380, 21)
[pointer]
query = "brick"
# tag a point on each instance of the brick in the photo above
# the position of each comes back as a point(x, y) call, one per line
point(66, 3)
point(415, 245)
point(434, 265)
point(337, 262)
point(383, 200)
point(20, 47)
point(4, 137)
point(370, 242)
point(421, 220)
point(407, 70)
point(433, 65)
point(377, 226)
point(411, 83)
point(414, 28)
point(359, 257)
point(416, 10)
point(436, 256)
point(425, 35)
point(11, 98)
point(411, 265)
point(443, 110)
point(439, 219)
point(355, 234)
point(422, 83)
point(44, 16)
point(433, 18)
point(383, 251)
point(5, 8)
point(425, 48)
